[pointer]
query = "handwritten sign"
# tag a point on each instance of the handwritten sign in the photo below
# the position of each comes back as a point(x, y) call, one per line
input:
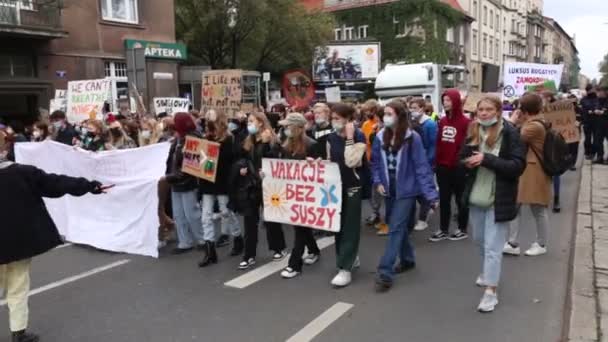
point(519, 76)
point(86, 99)
point(222, 90)
point(302, 194)
point(562, 117)
point(470, 104)
point(201, 158)
point(171, 105)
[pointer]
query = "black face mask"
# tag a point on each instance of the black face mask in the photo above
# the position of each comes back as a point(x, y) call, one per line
point(116, 132)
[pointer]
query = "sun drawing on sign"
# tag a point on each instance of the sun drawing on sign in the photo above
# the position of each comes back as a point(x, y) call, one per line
point(274, 200)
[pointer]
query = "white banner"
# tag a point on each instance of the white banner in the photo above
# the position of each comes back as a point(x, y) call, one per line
point(123, 220)
point(300, 193)
point(171, 105)
point(518, 76)
point(86, 98)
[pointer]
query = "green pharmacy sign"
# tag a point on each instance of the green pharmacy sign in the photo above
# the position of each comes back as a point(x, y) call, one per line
point(158, 49)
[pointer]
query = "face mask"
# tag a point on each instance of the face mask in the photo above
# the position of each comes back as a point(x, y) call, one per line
point(36, 134)
point(58, 125)
point(146, 134)
point(84, 131)
point(338, 125)
point(288, 133)
point(232, 126)
point(252, 129)
point(416, 115)
point(389, 121)
point(488, 123)
point(10, 131)
point(320, 121)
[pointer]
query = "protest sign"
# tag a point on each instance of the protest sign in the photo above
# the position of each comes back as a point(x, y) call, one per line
point(86, 98)
point(519, 76)
point(222, 90)
point(299, 89)
point(171, 105)
point(470, 104)
point(123, 220)
point(300, 193)
point(333, 95)
point(562, 116)
point(201, 158)
point(60, 102)
point(548, 85)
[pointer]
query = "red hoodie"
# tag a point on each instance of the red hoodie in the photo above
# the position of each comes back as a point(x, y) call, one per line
point(452, 132)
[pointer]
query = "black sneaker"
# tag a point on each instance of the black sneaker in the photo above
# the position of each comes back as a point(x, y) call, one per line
point(382, 284)
point(224, 240)
point(557, 208)
point(23, 336)
point(404, 267)
point(458, 235)
point(178, 251)
point(599, 161)
point(438, 236)
point(372, 220)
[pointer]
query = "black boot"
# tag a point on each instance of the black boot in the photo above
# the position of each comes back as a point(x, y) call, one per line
point(22, 336)
point(556, 207)
point(237, 246)
point(224, 240)
point(210, 255)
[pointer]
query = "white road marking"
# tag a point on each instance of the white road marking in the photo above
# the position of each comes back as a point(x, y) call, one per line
point(73, 278)
point(314, 328)
point(270, 268)
point(67, 244)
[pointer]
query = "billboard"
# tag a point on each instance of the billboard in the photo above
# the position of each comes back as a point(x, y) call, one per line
point(346, 62)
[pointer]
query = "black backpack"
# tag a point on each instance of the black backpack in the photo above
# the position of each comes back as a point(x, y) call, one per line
point(556, 159)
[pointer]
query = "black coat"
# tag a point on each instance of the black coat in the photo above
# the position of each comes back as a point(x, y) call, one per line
point(224, 167)
point(66, 135)
point(508, 166)
point(180, 181)
point(27, 229)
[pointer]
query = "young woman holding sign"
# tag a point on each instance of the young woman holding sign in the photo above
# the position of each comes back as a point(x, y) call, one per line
point(346, 147)
point(261, 143)
point(299, 146)
point(216, 129)
point(401, 173)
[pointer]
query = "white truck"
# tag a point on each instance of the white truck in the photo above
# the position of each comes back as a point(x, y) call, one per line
point(419, 80)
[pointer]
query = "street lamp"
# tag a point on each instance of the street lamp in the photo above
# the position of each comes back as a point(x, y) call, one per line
point(232, 20)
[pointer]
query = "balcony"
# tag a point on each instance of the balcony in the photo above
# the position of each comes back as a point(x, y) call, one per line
point(31, 18)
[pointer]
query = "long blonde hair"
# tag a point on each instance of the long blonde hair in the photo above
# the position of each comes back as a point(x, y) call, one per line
point(155, 132)
point(266, 127)
point(220, 121)
point(474, 134)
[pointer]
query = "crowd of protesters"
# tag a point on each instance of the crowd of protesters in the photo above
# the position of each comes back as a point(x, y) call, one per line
point(402, 156)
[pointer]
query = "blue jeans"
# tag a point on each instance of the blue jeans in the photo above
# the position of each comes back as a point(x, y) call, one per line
point(229, 222)
point(490, 236)
point(187, 216)
point(398, 245)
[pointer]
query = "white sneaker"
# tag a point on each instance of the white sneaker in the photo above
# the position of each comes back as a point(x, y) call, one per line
point(289, 273)
point(278, 256)
point(508, 249)
point(479, 282)
point(311, 259)
point(357, 262)
point(343, 278)
point(536, 250)
point(488, 302)
point(420, 226)
point(245, 264)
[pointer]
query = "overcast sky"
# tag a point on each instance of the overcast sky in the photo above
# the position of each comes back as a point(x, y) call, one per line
point(588, 20)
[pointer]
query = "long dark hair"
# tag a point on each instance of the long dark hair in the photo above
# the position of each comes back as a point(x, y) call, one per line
point(403, 125)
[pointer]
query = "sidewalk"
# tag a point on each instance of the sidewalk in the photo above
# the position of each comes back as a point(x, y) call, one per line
point(589, 288)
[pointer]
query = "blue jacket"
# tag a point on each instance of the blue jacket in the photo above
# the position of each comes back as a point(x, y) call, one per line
point(429, 137)
point(414, 174)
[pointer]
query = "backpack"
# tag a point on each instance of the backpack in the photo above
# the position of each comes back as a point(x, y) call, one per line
point(556, 159)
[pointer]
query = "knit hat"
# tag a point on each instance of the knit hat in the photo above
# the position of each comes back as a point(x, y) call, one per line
point(294, 119)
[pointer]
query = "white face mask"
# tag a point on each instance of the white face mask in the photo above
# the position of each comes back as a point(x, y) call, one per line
point(338, 125)
point(389, 121)
point(36, 134)
point(288, 133)
point(416, 115)
point(146, 134)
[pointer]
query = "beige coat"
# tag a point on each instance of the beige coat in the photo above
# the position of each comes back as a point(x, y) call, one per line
point(534, 184)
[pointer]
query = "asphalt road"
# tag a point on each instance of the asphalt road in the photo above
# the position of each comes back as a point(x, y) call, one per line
point(94, 296)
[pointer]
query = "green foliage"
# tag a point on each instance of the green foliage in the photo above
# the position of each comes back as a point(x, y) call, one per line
point(270, 35)
point(427, 22)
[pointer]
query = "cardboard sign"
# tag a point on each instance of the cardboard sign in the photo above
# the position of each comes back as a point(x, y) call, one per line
point(470, 105)
point(299, 193)
point(548, 85)
point(519, 76)
point(171, 105)
point(562, 116)
point(86, 99)
point(201, 158)
point(222, 90)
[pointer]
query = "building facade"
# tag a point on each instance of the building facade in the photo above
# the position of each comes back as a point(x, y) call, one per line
point(54, 41)
point(560, 48)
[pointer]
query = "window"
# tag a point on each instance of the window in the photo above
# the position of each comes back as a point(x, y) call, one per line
point(491, 53)
point(485, 15)
point(115, 69)
point(511, 48)
point(348, 33)
point(27, 5)
point(450, 35)
point(363, 31)
point(491, 19)
point(119, 10)
point(497, 51)
point(12, 66)
point(474, 9)
point(497, 23)
point(484, 46)
point(338, 34)
point(474, 42)
point(461, 35)
point(117, 73)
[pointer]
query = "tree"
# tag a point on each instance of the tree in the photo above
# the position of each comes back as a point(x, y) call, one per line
point(270, 35)
point(604, 71)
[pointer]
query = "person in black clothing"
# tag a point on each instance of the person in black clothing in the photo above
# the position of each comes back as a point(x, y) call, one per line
point(63, 132)
point(217, 130)
point(93, 137)
point(28, 230)
point(261, 143)
point(589, 104)
point(601, 125)
point(184, 189)
point(16, 131)
point(299, 147)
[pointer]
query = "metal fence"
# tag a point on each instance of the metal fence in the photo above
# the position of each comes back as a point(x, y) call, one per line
point(31, 13)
